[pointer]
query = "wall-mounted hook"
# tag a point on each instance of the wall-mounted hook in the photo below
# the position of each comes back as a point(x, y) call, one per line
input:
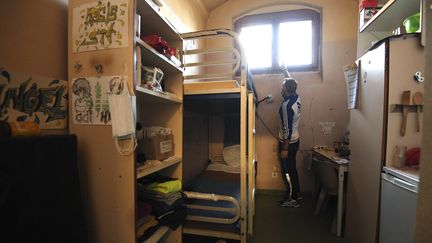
point(99, 69)
point(418, 77)
point(78, 67)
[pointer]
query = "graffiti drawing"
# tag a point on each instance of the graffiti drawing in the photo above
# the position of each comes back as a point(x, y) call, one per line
point(83, 103)
point(25, 97)
point(90, 99)
point(100, 25)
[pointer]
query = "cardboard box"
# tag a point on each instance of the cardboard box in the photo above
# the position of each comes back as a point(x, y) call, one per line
point(160, 147)
point(366, 14)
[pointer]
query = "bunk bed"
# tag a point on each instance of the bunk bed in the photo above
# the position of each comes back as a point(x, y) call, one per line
point(221, 197)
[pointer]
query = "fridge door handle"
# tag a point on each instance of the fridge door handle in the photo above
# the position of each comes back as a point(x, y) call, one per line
point(401, 183)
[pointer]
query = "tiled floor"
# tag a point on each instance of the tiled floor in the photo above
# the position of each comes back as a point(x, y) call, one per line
point(274, 224)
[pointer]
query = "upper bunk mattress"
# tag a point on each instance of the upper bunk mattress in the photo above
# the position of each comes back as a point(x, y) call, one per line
point(211, 87)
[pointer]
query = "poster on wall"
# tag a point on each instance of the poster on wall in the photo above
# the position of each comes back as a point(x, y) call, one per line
point(90, 99)
point(25, 97)
point(100, 25)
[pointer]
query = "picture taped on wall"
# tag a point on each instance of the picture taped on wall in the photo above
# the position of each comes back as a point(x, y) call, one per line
point(89, 96)
point(100, 25)
point(25, 97)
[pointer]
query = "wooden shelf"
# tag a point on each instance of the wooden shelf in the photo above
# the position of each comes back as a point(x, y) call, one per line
point(141, 221)
point(156, 97)
point(150, 57)
point(164, 164)
point(391, 15)
point(157, 235)
point(154, 23)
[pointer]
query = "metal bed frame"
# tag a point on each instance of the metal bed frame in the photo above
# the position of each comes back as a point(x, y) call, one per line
point(222, 84)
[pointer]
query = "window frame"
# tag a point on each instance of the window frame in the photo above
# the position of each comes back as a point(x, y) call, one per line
point(275, 18)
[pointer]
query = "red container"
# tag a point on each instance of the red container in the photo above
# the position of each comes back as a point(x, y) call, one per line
point(159, 45)
point(156, 42)
point(368, 4)
point(412, 157)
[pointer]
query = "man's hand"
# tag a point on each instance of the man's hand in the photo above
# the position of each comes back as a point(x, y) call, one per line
point(284, 154)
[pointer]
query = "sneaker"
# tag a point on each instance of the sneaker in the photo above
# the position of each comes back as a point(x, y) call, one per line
point(282, 201)
point(290, 204)
point(299, 198)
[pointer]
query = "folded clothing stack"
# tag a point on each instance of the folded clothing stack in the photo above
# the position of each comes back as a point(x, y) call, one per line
point(144, 211)
point(164, 196)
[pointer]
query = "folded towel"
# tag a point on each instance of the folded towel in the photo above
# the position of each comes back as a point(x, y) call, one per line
point(165, 187)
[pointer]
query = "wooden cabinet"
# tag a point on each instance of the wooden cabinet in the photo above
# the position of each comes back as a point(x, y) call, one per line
point(108, 178)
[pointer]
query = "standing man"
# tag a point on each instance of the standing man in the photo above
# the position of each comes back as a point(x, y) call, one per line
point(289, 115)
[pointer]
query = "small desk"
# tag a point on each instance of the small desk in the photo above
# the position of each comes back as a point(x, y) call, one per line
point(329, 156)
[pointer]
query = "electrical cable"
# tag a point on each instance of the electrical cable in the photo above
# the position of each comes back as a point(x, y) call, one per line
point(265, 125)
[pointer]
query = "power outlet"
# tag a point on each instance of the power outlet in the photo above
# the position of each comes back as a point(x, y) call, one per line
point(274, 174)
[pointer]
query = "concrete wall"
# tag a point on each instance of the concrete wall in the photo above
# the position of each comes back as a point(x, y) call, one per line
point(34, 37)
point(323, 94)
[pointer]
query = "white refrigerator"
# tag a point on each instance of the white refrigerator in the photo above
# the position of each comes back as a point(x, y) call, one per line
point(374, 191)
point(398, 206)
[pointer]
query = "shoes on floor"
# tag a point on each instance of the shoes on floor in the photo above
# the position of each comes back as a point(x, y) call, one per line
point(299, 198)
point(290, 203)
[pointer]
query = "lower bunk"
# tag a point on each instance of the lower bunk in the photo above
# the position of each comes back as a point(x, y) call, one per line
point(213, 202)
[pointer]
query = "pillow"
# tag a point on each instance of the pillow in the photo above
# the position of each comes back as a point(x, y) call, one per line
point(231, 155)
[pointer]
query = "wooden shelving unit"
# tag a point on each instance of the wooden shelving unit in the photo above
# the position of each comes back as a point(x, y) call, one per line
point(158, 24)
point(157, 97)
point(382, 24)
point(163, 164)
point(163, 109)
point(150, 57)
point(391, 15)
point(157, 235)
point(111, 178)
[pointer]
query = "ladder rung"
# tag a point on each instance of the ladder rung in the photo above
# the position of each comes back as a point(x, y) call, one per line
point(209, 76)
point(200, 64)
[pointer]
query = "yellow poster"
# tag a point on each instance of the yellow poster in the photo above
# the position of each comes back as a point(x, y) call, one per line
point(100, 25)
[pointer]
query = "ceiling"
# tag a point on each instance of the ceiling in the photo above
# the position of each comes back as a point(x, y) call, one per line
point(210, 5)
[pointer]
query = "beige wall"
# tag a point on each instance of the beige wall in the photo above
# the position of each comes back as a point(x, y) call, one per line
point(34, 37)
point(323, 94)
point(190, 13)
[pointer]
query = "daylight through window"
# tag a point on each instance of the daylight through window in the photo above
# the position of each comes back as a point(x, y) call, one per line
point(285, 38)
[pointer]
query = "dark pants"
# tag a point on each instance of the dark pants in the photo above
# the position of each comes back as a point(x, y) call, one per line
point(289, 171)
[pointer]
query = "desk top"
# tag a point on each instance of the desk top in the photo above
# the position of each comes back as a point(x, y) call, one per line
point(329, 153)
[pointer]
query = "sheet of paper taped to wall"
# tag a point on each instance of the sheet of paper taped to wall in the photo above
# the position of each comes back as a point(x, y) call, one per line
point(351, 79)
point(327, 127)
